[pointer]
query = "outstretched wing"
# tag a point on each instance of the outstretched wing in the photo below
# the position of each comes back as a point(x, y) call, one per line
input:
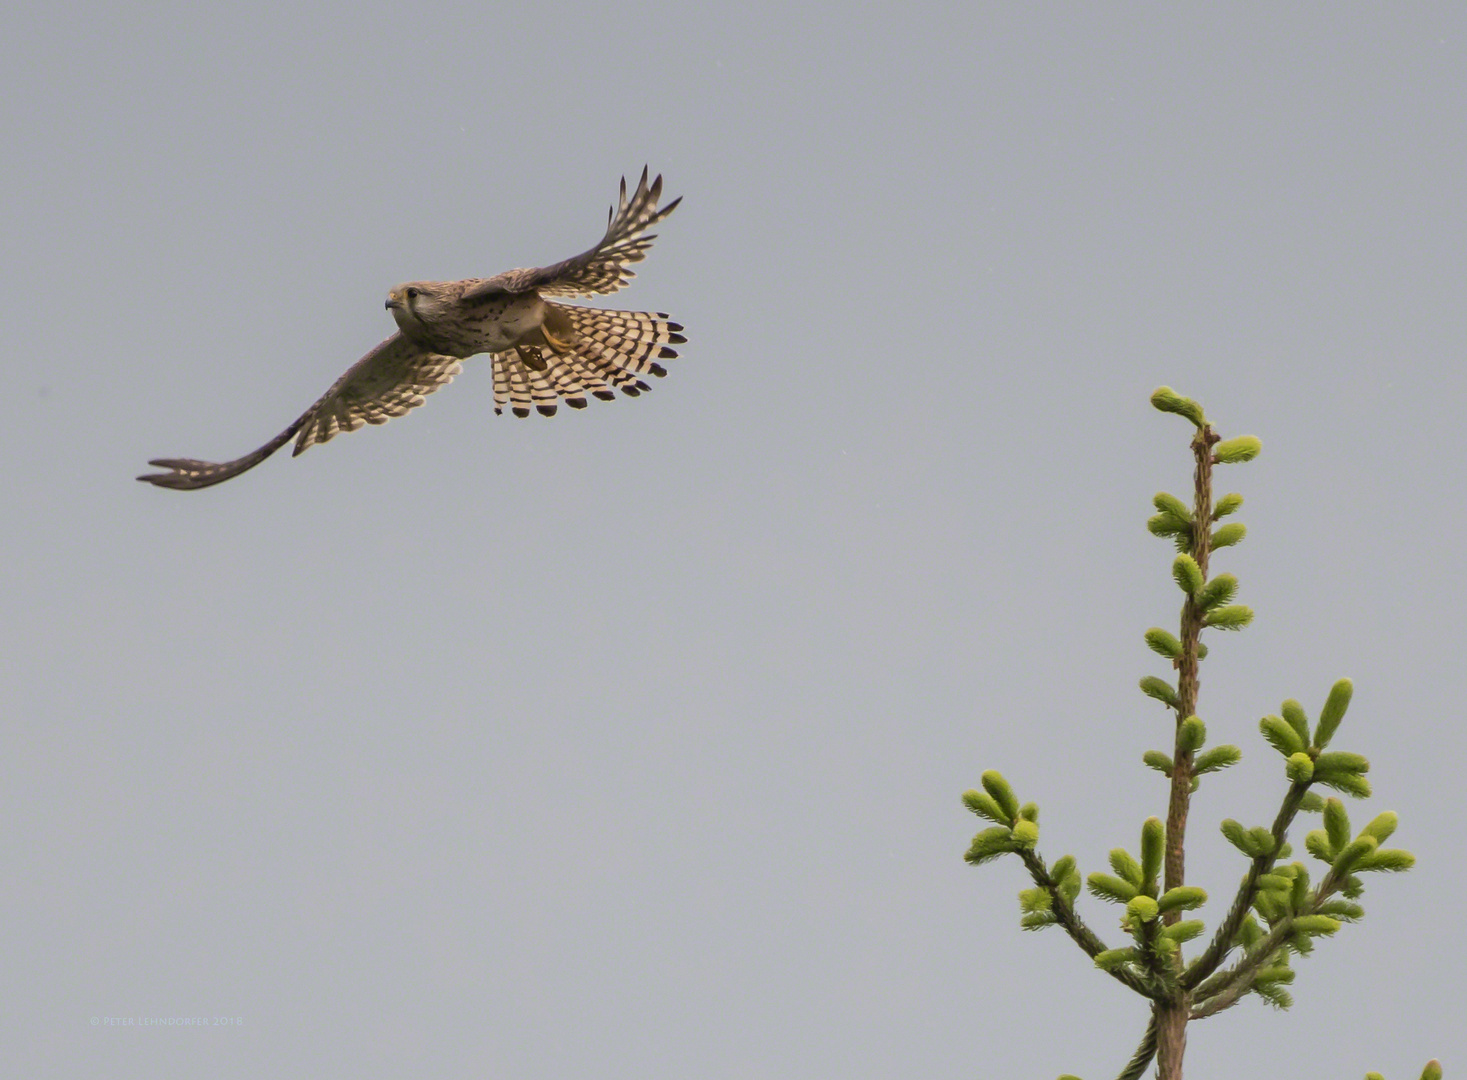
point(391, 379)
point(601, 270)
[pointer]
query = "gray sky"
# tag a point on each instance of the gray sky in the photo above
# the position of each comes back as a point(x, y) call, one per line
point(629, 744)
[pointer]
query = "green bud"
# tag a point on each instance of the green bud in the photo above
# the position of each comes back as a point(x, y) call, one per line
point(1275, 882)
point(1238, 837)
point(1191, 734)
point(1220, 590)
point(1433, 1070)
point(1315, 925)
point(1235, 451)
point(1268, 907)
point(1228, 504)
point(1108, 887)
point(1294, 715)
point(1183, 898)
point(1160, 689)
point(1300, 768)
point(1187, 574)
point(1337, 825)
point(1165, 525)
point(1063, 867)
point(1032, 900)
point(998, 787)
point(1162, 643)
point(1350, 783)
point(1353, 852)
point(1276, 996)
point(983, 804)
point(1037, 920)
point(1166, 399)
point(1153, 850)
point(1274, 975)
point(1262, 841)
point(1383, 825)
point(1249, 932)
point(1127, 867)
point(1300, 942)
point(1333, 711)
point(1162, 763)
point(1281, 735)
point(1388, 860)
point(1069, 888)
point(1216, 759)
point(1030, 812)
point(1299, 896)
point(1339, 761)
point(1185, 930)
point(1165, 947)
point(1170, 504)
point(1230, 617)
point(1114, 958)
point(1229, 535)
point(1311, 803)
point(1317, 844)
point(1141, 908)
point(1342, 910)
point(989, 844)
point(1025, 833)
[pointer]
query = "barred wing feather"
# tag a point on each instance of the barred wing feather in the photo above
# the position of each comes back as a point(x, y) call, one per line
point(603, 269)
point(391, 379)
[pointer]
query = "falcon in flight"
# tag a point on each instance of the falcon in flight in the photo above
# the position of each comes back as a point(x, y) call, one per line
point(542, 351)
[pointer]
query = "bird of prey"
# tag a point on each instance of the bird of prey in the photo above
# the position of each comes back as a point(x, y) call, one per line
point(542, 351)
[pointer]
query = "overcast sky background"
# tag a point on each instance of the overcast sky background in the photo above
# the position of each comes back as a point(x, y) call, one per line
point(629, 744)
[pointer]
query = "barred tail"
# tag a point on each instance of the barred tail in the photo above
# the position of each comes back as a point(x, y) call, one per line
point(607, 351)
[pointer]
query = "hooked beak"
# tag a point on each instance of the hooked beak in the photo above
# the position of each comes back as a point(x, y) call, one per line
point(392, 302)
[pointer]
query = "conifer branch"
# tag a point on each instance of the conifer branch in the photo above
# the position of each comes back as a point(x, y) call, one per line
point(1227, 933)
point(1172, 1013)
point(1225, 988)
point(1188, 683)
point(1274, 915)
point(1067, 917)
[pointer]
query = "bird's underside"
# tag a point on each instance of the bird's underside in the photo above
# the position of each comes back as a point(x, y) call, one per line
point(542, 352)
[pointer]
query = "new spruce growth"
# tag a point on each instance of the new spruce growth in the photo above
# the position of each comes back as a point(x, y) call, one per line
point(1279, 913)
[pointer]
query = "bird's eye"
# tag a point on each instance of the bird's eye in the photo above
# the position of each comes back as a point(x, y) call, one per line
point(413, 293)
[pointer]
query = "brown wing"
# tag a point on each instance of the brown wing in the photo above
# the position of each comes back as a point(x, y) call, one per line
point(601, 270)
point(391, 379)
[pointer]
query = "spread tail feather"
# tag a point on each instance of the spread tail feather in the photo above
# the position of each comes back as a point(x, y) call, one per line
point(606, 351)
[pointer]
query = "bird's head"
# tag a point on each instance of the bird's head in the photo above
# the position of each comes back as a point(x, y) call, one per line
point(417, 305)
